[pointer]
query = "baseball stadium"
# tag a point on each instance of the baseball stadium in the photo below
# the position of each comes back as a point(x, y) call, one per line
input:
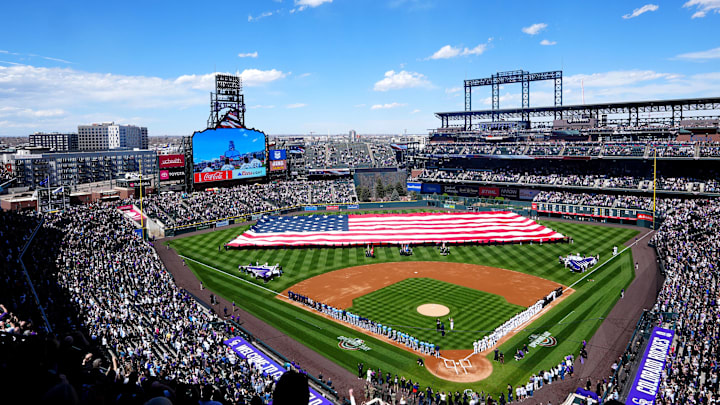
point(536, 254)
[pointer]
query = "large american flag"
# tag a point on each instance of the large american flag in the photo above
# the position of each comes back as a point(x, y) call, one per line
point(333, 230)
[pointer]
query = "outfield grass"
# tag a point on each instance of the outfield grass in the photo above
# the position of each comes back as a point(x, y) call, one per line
point(396, 306)
point(580, 313)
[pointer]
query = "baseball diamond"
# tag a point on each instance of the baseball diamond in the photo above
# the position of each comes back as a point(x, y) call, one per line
point(581, 312)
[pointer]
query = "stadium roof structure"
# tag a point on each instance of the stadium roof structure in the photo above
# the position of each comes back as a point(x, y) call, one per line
point(676, 109)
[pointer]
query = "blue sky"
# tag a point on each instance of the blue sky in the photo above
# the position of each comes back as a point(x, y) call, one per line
point(335, 65)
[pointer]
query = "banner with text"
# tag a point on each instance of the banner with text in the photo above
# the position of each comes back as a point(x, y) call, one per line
point(247, 351)
point(167, 161)
point(649, 373)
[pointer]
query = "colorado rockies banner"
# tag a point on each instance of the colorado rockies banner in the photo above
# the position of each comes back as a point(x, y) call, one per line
point(647, 379)
point(247, 351)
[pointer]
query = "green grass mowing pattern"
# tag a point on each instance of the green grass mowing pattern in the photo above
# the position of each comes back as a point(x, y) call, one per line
point(593, 299)
point(396, 306)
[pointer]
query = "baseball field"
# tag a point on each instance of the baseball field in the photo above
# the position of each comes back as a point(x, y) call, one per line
point(481, 287)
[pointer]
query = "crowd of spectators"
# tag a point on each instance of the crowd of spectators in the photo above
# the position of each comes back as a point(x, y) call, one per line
point(688, 246)
point(557, 177)
point(611, 149)
point(336, 155)
point(180, 209)
point(383, 155)
point(124, 332)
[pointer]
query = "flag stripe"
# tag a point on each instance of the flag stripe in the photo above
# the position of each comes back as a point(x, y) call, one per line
point(394, 229)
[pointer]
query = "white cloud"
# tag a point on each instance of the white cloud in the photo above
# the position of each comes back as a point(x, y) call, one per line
point(546, 42)
point(30, 113)
point(304, 75)
point(260, 16)
point(256, 77)
point(703, 7)
point(446, 52)
point(642, 10)
point(453, 90)
point(401, 80)
point(58, 98)
point(709, 54)
point(296, 105)
point(301, 5)
point(248, 55)
point(387, 106)
point(534, 29)
point(415, 111)
point(449, 51)
point(617, 78)
point(259, 106)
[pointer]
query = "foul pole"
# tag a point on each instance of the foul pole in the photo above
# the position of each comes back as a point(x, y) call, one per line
point(654, 182)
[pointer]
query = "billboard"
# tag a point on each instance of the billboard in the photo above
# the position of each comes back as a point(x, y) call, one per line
point(277, 165)
point(489, 192)
point(511, 193)
point(277, 154)
point(528, 194)
point(172, 174)
point(417, 187)
point(454, 189)
point(431, 188)
point(228, 154)
point(652, 367)
point(168, 161)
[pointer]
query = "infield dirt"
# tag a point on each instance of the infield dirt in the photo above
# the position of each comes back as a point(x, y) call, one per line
point(339, 288)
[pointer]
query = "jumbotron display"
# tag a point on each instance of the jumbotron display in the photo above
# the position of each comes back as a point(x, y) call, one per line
point(228, 154)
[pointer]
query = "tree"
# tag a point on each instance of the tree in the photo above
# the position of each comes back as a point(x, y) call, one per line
point(389, 189)
point(379, 189)
point(414, 195)
point(400, 189)
point(363, 193)
point(394, 196)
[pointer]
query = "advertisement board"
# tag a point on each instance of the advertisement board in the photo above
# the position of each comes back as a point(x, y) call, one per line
point(172, 174)
point(453, 189)
point(228, 154)
point(644, 217)
point(332, 208)
point(352, 206)
point(416, 187)
point(311, 208)
point(509, 193)
point(489, 192)
point(652, 367)
point(431, 188)
point(168, 161)
point(277, 154)
point(528, 194)
point(219, 224)
point(278, 165)
point(261, 361)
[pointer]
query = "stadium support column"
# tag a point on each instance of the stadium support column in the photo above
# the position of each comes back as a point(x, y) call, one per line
point(525, 97)
point(468, 105)
point(558, 94)
point(495, 97)
point(677, 114)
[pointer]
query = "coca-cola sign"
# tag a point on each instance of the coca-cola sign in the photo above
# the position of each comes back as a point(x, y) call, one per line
point(212, 176)
point(172, 161)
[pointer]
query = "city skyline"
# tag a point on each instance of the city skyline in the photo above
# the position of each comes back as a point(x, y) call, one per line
point(331, 66)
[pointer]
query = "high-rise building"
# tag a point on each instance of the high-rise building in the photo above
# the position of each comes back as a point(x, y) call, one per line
point(108, 136)
point(55, 141)
point(353, 135)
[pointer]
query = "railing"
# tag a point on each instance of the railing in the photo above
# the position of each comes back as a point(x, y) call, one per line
point(27, 275)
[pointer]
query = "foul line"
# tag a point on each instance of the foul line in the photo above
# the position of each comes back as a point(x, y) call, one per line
point(609, 260)
point(565, 317)
point(230, 275)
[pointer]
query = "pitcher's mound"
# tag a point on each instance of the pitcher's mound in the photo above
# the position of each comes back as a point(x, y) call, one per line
point(433, 310)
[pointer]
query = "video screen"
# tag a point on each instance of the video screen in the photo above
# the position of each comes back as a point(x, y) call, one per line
point(228, 154)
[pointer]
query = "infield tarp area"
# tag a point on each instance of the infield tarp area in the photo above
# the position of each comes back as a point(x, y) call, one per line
point(418, 228)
